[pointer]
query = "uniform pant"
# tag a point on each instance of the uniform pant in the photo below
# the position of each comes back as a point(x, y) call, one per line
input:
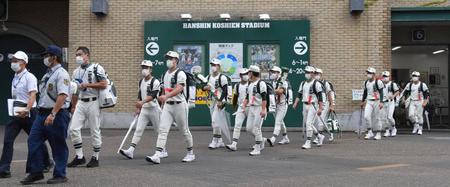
point(372, 115)
point(279, 115)
point(147, 115)
point(254, 122)
point(320, 122)
point(56, 135)
point(309, 115)
point(86, 112)
point(12, 129)
point(174, 113)
point(217, 132)
point(415, 112)
point(238, 121)
point(387, 114)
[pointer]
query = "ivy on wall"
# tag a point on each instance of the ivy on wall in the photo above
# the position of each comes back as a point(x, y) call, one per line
point(434, 3)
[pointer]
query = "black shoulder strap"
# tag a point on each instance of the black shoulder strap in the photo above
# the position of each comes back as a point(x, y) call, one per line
point(376, 85)
point(237, 88)
point(365, 84)
point(314, 87)
point(257, 87)
point(151, 83)
point(176, 76)
point(421, 86)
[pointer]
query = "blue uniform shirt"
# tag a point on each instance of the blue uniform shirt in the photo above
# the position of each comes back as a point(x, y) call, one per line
point(55, 82)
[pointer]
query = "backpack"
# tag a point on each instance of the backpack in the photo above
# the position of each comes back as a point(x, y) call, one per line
point(107, 97)
point(229, 86)
point(270, 97)
point(190, 89)
point(376, 85)
point(313, 87)
point(289, 93)
point(148, 88)
point(408, 92)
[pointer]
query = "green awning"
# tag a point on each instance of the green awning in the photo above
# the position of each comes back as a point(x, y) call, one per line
point(420, 14)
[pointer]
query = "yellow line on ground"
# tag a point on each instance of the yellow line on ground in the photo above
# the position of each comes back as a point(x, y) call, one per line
point(388, 166)
point(16, 161)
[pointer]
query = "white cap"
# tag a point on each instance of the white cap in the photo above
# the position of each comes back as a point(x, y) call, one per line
point(319, 71)
point(415, 73)
point(147, 63)
point(21, 56)
point(254, 68)
point(276, 69)
point(215, 61)
point(310, 69)
point(243, 71)
point(386, 73)
point(371, 70)
point(172, 54)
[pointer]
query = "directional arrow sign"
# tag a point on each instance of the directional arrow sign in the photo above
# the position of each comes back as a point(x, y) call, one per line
point(152, 48)
point(300, 48)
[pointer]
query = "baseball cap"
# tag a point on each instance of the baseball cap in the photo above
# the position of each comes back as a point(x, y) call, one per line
point(276, 69)
point(53, 50)
point(243, 71)
point(21, 56)
point(215, 61)
point(172, 54)
point(147, 63)
point(254, 68)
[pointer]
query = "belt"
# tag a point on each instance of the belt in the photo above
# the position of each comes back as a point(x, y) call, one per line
point(307, 103)
point(385, 101)
point(88, 99)
point(48, 110)
point(173, 102)
point(372, 99)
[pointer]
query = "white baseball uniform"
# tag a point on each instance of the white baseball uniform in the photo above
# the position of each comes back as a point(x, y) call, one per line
point(309, 90)
point(241, 113)
point(387, 112)
point(281, 107)
point(372, 109)
point(254, 119)
point(218, 95)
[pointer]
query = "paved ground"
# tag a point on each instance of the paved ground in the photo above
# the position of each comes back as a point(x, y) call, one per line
point(405, 160)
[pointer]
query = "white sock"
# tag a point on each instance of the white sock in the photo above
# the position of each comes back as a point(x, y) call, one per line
point(79, 153)
point(191, 152)
point(96, 154)
point(131, 149)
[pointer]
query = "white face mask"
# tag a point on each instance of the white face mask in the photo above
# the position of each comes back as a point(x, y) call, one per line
point(169, 63)
point(369, 76)
point(46, 62)
point(79, 60)
point(15, 67)
point(415, 78)
point(214, 69)
point(145, 72)
point(245, 78)
point(386, 79)
point(273, 76)
point(308, 76)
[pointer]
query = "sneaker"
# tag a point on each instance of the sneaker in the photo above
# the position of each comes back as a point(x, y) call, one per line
point(378, 136)
point(387, 133)
point(76, 162)
point(393, 132)
point(369, 135)
point(155, 159)
point(416, 127)
point(5, 174)
point(419, 131)
point(316, 140)
point(93, 162)
point(127, 153)
point(256, 151)
point(320, 137)
point(189, 157)
point(232, 147)
point(31, 178)
point(57, 180)
point(307, 145)
point(213, 144)
point(331, 138)
point(220, 143)
point(164, 154)
point(284, 140)
point(271, 141)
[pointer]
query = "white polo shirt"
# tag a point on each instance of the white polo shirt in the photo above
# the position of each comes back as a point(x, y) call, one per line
point(22, 84)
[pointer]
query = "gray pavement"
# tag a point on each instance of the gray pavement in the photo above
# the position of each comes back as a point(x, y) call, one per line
point(405, 160)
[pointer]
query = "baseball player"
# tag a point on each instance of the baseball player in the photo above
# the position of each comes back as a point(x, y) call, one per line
point(372, 104)
point(217, 86)
point(328, 105)
point(240, 92)
point(257, 110)
point(418, 95)
point(90, 79)
point(390, 92)
point(174, 110)
point(147, 107)
point(280, 88)
point(312, 96)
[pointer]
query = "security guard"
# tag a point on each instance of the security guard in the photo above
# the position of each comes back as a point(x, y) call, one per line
point(391, 91)
point(90, 79)
point(312, 96)
point(280, 88)
point(217, 85)
point(147, 107)
point(52, 122)
point(372, 104)
point(23, 91)
point(174, 110)
point(257, 110)
point(240, 92)
point(418, 95)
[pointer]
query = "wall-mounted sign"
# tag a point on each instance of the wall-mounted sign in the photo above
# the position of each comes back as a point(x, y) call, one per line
point(418, 35)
